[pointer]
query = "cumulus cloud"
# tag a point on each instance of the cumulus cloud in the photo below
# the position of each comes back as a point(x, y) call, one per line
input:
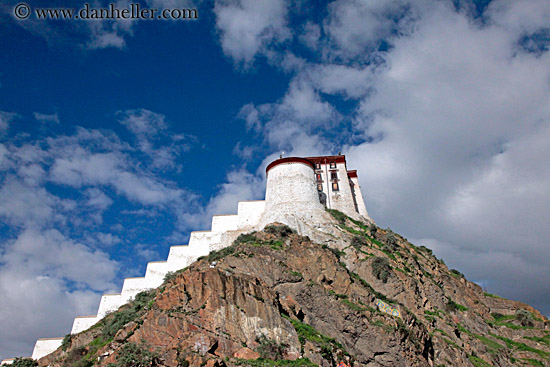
point(457, 130)
point(150, 131)
point(54, 192)
point(447, 118)
point(355, 26)
point(36, 268)
point(248, 27)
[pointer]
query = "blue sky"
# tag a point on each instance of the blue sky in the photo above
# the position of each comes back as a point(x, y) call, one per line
point(117, 138)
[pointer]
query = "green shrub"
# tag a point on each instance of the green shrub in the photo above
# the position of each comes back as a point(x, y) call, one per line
point(452, 306)
point(132, 312)
point(336, 252)
point(425, 249)
point(455, 273)
point(77, 358)
point(279, 230)
point(134, 355)
point(169, 276)
point(381, 269)
point(66, 343)
point(246, 238)
point(391, 241)
point(338, 215)
point(357, 242)
point(491, 295)
point(521, 346)
point(524, 317)
point(478, 362)
point(270, 349)
point(220, 254)
point(24, 362)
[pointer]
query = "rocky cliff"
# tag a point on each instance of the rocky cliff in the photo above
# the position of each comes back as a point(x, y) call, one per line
point(353, 293)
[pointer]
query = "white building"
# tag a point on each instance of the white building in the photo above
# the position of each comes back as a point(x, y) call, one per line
point(297, 192)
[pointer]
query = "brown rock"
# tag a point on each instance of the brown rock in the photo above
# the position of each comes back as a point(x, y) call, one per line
point(246, 353)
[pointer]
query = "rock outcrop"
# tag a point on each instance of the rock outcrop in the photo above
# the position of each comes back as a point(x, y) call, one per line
point(358, 294)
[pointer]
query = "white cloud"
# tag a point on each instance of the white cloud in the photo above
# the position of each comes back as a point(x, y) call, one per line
point(23, 205)
point(453, 123)
point(248, 27)
point(143, 122)
point(108, 239)
point(311, 35)
point(356, 26)
point(520, 17)
point(36, 268)
point(45, 118)
point(98, 199)
point(5, 118)
point(150, 130)
point(460, 120)
point(349, 81)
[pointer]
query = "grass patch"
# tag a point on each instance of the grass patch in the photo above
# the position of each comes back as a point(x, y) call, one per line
point(456, 274)
point(442, 332)
point(136, 355)
point(478, 362)
point(305, 332)
point(533, 362)
point(338, 215)
point(246, 238)
point(434, 313)
point(451, 343)
point(131, 312)
point(492, 346)
point(500, 317)
point(220, 254)
point(521, 346)
point(453, 306)
point(491, 295)
point(543, 340)
point(353, 306)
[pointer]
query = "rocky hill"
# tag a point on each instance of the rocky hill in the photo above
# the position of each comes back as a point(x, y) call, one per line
point(353, 293)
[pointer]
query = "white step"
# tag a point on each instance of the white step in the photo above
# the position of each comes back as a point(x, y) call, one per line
point(45, 346)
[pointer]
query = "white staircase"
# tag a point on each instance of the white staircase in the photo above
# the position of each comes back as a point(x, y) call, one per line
point(224, 229)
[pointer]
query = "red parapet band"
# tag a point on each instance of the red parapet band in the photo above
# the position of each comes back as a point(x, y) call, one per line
point(289, 160)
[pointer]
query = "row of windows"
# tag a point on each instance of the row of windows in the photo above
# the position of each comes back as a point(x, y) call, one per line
point(333, 176)
point(334, 186)
point(318, 165)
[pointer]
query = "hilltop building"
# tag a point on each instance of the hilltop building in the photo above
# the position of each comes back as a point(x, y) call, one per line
point(297, 192)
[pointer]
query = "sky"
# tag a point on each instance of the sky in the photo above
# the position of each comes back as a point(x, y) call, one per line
point(118, 137)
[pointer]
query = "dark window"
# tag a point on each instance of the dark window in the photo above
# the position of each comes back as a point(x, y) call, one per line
point(317, 165)
point(332, 164)
point(319, 187)
point(335, 186)
point(318, 176)
point(334, 176)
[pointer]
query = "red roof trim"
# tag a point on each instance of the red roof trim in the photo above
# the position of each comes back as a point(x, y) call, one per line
point(352, 174)
point(289, 160)
point(328, 158)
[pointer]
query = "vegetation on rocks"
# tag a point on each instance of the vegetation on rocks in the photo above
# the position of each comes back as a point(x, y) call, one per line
point(24, 362)
point(362, 295)
point(136, 355)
